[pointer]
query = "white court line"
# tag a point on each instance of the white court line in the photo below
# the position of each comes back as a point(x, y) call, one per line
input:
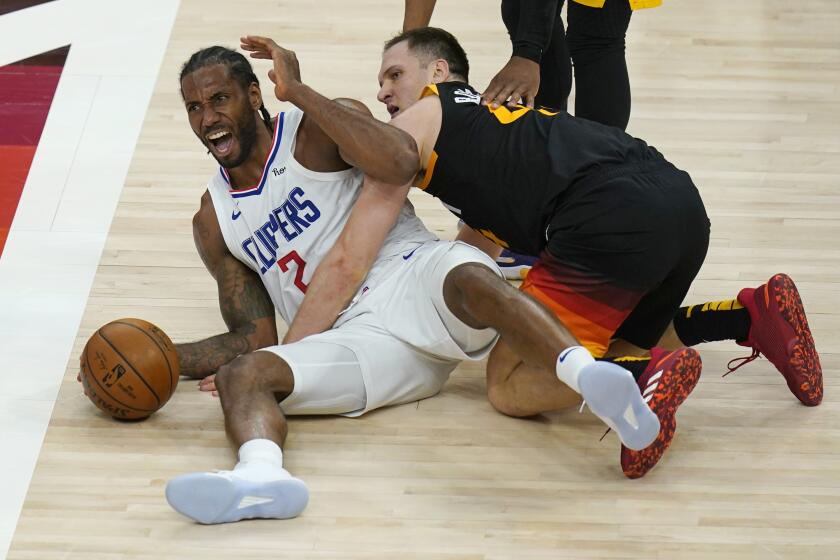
point(25, 34)
point(51, 255)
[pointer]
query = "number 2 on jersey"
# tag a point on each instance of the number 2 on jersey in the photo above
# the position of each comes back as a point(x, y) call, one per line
point(283, 263)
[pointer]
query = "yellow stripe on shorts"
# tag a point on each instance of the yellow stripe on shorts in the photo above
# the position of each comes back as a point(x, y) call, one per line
point(634, 4)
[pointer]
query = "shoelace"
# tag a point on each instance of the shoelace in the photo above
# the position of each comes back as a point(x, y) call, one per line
point(742, 361)
point(582, 406)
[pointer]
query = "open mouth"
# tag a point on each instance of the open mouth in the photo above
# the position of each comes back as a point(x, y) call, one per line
point(393, 109)
point(220, 142)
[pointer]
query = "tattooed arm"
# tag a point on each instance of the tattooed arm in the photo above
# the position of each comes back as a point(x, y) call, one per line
point(245, 305)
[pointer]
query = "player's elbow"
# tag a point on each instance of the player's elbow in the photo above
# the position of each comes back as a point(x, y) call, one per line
point(399, 163)
point(401, 172)
point(408, 163)
point(265, 338)
point(261, 333)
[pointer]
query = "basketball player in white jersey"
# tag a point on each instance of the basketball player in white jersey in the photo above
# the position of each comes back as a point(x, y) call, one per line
point(379, 311)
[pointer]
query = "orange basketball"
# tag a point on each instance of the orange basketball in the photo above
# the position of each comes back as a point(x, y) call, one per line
point(129, 368)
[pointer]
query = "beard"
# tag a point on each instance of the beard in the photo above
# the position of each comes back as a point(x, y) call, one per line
point(246, 139)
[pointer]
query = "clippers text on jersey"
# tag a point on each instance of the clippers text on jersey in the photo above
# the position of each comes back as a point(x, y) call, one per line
point(289, 220)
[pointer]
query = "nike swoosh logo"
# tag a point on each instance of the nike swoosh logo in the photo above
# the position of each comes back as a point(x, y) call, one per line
point(235, 215)
point(249, 501)
point(564, 354)
point(408, 256)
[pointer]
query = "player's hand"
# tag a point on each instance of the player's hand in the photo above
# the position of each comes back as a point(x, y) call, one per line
point(286, 72)
point(79, 379)
point(517, 82)
point(208, 384)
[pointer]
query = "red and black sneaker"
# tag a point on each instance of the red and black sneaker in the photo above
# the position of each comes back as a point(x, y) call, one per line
point(779, 330)
point(666, 382)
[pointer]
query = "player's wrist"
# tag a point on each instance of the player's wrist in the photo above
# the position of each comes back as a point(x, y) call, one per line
point(296, 91)
point(528, 52)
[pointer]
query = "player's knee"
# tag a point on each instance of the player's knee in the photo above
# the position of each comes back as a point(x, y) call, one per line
point(500, 389)
point(586, 48)
point(256, 372)
point(236, 377)
point(471, 280)
point(469, 272)
point(468, 289)
point(242, 375)
point(505, 402)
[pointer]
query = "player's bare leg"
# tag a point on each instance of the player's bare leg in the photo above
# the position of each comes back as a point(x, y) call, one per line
point(480, 299)
point(519, 389)
point(258, 486)
point(249, 388)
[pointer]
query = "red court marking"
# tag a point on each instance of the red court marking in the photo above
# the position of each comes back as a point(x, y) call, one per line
point(9, 6)
point(26, 93)
point(15, 162)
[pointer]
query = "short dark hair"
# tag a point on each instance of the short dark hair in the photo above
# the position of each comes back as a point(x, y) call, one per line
point(436, 43)
point(238, 66)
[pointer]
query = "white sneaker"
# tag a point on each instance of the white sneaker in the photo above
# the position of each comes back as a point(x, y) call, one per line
point(227, 496)
point(612, 394)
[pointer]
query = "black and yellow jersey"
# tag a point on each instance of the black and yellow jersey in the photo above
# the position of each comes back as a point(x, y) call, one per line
point(504, 172)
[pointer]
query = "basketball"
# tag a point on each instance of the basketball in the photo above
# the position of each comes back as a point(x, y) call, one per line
point(129, 368)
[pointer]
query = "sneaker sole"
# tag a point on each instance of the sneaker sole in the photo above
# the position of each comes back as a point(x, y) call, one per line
point(210, 499)
point(609, 391)
point(679, 380)
point(803, 372)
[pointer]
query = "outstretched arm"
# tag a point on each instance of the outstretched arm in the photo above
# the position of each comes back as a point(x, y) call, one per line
point(345, 267)
point(519, 79)
point(381, 151)
point(418, 13)
point(245, 305)
point(348, 262)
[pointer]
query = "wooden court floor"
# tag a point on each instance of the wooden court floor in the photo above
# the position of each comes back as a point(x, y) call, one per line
point(743, 95)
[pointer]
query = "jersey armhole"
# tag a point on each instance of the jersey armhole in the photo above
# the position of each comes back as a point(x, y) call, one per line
point(225, 226)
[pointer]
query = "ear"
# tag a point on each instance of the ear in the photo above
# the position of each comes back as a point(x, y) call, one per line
point(440, 71)
point(255, 96)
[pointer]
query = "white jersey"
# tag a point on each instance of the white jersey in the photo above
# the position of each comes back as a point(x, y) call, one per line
point(284, 226)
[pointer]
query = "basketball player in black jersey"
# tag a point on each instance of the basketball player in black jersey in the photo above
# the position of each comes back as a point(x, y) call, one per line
point(620, 233)
point(539, 71)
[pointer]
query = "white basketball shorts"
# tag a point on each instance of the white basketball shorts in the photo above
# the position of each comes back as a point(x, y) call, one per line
point(397, 343)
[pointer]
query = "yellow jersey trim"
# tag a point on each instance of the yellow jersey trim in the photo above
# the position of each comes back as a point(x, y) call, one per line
point(494, 238)
point(506, 116)
point(430, 89)
point(430, 170)
point(634, 4)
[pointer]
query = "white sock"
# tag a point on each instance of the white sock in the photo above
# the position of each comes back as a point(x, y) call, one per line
point(570, 362)
point(260, 460)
